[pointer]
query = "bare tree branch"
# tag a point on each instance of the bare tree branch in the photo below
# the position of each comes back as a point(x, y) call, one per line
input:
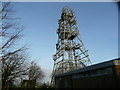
point(13, 61)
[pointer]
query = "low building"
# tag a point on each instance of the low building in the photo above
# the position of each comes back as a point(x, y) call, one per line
point(102, 75)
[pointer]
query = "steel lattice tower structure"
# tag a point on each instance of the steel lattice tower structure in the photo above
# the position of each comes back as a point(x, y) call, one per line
point(70, 51)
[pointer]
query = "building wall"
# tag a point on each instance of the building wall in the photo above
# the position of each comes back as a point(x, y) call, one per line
point(117, 74)
point(103, 81)
point(108, 77)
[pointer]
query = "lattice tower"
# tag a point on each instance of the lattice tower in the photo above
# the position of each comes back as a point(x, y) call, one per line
point(70, 51)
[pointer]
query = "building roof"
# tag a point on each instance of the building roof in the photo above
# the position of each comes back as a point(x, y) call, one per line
point(94, 67)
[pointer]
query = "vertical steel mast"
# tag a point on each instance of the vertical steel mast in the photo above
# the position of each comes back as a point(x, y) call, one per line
point(70, 51)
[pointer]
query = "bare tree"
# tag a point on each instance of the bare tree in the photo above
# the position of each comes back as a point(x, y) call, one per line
point(35, 73)
point(13, 59)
